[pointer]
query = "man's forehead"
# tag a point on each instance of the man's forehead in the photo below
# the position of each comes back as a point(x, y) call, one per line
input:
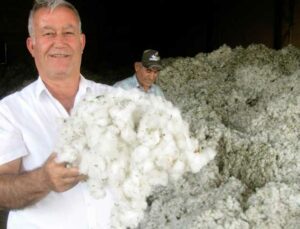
point(45, 13)
point(65, 27)
point(61, 16)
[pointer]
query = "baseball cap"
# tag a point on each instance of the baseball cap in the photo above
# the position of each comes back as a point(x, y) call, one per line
point(151, 59)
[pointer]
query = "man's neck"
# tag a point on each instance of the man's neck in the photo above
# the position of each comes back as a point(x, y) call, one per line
point(64, 90)
point(146, 88)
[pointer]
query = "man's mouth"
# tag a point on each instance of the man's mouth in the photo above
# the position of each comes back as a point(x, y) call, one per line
point(59, 55)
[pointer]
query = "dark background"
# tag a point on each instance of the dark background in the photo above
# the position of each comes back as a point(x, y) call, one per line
point(118, 31)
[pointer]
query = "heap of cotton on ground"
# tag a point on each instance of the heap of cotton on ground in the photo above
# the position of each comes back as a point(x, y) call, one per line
point(245, 102)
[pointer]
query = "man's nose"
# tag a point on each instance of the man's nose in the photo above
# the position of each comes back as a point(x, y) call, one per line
point(60, 39)
point(153, 75)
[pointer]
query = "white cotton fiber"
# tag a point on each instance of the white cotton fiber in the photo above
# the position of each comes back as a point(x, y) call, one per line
point(131, 142)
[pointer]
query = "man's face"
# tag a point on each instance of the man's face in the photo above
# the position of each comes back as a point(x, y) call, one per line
point(145, 76)
point(57, 43)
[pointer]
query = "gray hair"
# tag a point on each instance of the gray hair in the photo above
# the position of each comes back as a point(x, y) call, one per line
point(50, 4)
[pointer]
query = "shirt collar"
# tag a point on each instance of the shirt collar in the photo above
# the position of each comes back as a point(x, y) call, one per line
point(136, 82)
point(42, 89)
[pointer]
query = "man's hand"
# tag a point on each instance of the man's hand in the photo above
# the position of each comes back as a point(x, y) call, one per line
point(58, 176)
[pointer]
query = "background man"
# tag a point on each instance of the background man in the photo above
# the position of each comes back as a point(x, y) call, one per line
point(146, 73)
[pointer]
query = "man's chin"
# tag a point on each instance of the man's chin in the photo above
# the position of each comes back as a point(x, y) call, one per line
point(60, 74)
point(60, 71)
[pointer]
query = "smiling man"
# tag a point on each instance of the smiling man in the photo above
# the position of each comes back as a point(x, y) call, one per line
point(56, 44)
point(38, 191)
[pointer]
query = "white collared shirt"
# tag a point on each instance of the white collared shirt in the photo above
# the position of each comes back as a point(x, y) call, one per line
point(29, 122)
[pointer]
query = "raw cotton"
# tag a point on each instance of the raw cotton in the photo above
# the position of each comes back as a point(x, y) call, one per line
point(246, 103)
point(131, 142)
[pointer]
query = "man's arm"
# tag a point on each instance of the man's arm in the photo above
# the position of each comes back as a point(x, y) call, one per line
point(21, 189)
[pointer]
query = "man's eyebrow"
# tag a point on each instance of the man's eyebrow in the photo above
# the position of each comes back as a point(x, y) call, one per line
point(46, 27)
point(69, 26)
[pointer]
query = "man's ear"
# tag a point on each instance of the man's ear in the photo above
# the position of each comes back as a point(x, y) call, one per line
point(137, 66)
point(82, 42)
point(30, 47)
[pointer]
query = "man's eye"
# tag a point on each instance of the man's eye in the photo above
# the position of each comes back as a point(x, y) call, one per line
point(69, 33)
point(48, 34)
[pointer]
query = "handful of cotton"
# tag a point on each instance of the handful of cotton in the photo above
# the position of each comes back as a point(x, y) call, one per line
point(130, 142)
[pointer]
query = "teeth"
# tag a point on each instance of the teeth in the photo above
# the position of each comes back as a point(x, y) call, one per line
point(59, 55)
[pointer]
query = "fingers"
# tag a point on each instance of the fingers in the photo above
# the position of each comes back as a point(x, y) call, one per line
point(60, 177)
point(83, 177)
point(75, 179)
point(69, 172)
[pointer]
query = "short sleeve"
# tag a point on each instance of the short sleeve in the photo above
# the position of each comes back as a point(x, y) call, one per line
point(11, 142)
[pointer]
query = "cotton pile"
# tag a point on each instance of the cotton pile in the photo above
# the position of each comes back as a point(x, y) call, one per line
point(131, 142)
point(245, 102)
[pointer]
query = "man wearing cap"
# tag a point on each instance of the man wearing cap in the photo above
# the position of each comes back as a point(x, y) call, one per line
point(146, 72)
